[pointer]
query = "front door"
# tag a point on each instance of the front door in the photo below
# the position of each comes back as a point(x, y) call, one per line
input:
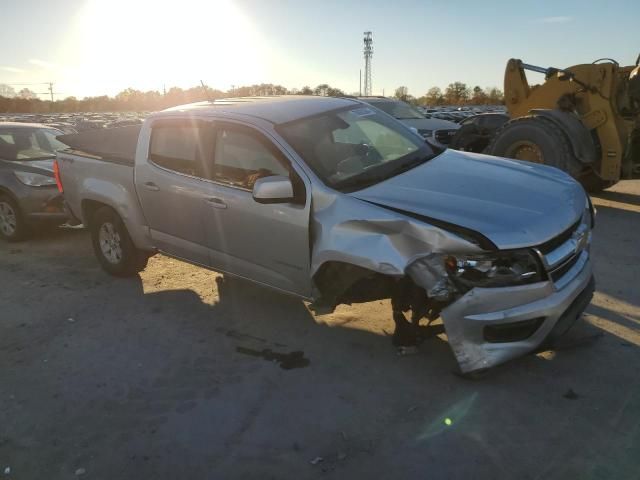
point(268, 243)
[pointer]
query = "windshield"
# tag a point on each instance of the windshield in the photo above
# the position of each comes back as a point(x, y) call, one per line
point(399, 110)
point(355, 148)
point(29, 143)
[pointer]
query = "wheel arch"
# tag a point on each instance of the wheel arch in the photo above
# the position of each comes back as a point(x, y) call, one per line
point(138, 232)
point(6, 191)
point(90, 207)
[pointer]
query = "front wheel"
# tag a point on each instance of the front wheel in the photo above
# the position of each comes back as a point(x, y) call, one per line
point(113, 246)
point(13, 227)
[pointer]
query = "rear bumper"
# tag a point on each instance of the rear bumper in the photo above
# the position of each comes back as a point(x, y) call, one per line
point(489, 326)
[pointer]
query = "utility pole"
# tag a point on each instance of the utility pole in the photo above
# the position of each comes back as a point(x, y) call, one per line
point(368, 53)
point(360, 82)
point(51, 90)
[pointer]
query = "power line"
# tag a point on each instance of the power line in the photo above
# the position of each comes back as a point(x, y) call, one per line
point(50, 91)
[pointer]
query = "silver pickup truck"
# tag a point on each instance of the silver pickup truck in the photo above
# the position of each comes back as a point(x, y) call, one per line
point(336, 202)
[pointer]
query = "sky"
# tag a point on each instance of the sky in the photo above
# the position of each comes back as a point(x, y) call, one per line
point(97, 47)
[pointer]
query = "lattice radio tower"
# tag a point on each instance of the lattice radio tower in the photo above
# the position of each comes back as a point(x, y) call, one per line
point(368, 53)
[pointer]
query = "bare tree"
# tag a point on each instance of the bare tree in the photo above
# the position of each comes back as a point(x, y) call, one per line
point(402, 93)
point(7, 91)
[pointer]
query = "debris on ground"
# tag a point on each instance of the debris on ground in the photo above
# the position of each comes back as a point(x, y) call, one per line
point(571, 395)
point(71, 319)
point(80, 471)
point(287, 361)
point(7, 470)
point(410, 350)
point(316, 460)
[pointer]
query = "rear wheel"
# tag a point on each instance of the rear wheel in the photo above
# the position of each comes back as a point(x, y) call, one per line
point(538, 140)
point(113, 246)
point(13, 227)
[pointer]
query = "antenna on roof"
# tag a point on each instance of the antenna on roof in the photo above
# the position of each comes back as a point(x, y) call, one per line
point(206, 92)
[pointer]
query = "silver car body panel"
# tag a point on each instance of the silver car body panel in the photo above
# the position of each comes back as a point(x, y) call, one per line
point(90, 179)
point(514, 204)
point(466, 318)
point(402, 226)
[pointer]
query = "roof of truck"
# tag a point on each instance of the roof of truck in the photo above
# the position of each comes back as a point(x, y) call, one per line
point(276, 109)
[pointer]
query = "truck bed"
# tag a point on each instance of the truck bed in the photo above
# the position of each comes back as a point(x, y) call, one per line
point(109, 144)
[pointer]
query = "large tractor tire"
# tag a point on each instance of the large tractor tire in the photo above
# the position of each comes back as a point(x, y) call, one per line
point(536, 139)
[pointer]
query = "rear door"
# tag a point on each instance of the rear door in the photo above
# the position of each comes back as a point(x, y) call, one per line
point(268, 243)
point(173, 188)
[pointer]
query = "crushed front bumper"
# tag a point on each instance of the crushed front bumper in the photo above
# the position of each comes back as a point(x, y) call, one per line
point(489, 326)
point(42, 206)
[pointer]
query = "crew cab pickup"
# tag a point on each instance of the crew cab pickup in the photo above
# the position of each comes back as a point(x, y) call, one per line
point(334, 201)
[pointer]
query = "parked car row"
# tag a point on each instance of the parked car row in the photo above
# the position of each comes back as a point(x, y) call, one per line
point(77, 122)
point(458, 114)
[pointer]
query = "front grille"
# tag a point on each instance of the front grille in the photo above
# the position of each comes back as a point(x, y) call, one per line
point(445, 136)
point(560, 272)
point(555, 242)
point(561, 254)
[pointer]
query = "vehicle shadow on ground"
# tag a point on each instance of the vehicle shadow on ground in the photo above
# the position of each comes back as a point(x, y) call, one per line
point(621, 197)
point(149, 383)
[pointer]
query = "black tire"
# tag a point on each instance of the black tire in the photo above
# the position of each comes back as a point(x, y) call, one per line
point(543, 140)
point(13, 227)
point(592, 183)
point(116, 252)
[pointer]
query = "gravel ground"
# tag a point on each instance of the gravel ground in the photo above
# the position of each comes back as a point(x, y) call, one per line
point(164, 376)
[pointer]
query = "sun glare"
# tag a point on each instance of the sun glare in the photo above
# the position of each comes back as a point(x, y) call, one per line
point(148, 44)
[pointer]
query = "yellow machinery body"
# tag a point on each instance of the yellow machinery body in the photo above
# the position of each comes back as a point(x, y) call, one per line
point(598, 97)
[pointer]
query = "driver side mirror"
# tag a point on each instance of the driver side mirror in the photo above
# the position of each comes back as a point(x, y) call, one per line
point(273, 189)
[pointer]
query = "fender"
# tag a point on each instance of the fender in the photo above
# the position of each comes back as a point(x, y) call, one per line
point(579, 136)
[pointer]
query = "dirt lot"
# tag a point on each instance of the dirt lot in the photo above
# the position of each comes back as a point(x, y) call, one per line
point(105, 378)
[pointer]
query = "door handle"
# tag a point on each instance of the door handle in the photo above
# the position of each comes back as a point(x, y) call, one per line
point(216, 203)
point(151, 186)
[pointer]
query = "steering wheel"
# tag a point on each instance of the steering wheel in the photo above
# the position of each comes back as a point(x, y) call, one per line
point(368, 155)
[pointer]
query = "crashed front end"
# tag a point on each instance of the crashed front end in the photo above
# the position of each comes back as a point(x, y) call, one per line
point(489, 325)
point(495, 305)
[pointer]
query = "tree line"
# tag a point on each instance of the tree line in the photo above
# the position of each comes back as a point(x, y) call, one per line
point(456, 93)
point(136, 100)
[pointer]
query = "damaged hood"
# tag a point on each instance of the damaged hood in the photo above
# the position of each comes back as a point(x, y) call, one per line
point(514, 204)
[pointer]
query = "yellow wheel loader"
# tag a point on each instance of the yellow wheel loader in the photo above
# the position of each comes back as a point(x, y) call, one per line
point(583, 119)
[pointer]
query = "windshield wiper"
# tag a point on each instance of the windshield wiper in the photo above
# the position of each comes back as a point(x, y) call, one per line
point(368, 178)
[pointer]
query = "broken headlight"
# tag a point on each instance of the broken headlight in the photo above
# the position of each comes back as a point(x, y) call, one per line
point(500, 269)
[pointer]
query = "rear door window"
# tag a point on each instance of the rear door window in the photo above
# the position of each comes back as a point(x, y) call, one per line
point(181, 146)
